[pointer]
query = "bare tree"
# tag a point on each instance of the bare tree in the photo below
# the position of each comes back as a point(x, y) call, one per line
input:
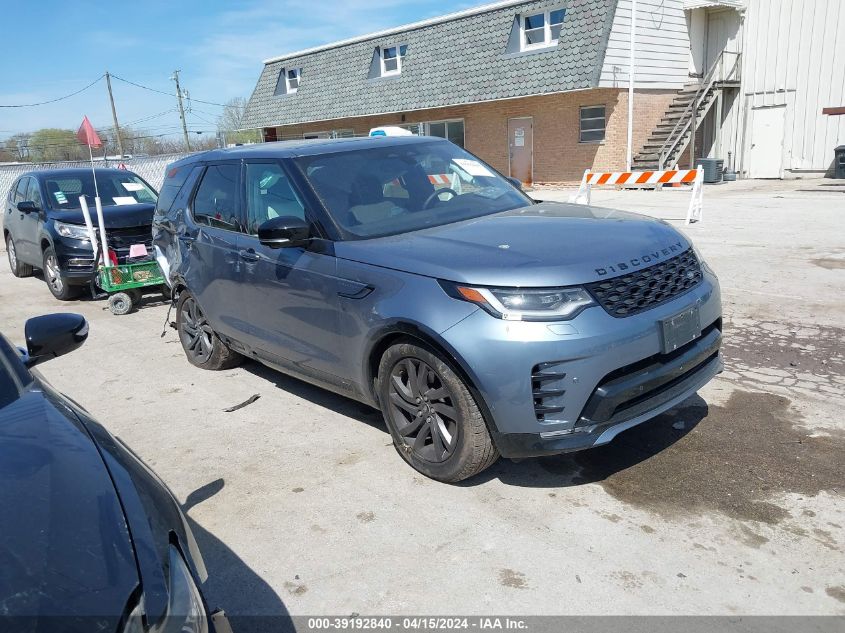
point(230, 123)
point(17, 147)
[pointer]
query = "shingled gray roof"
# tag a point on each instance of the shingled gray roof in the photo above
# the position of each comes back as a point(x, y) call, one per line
point(465, 58)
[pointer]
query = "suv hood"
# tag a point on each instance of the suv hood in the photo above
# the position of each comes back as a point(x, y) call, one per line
point(121, 216)
point(542, 245)
point(65, 547)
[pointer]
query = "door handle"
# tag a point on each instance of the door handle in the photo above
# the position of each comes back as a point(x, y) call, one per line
point(249, 255)
point(187, 239)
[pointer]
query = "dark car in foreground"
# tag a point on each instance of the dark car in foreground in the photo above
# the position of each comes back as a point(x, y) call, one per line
point(43, 226)
point(90, 538)
point(480, 321)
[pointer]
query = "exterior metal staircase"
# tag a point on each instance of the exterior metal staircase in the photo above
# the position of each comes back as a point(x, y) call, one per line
point(685, 114)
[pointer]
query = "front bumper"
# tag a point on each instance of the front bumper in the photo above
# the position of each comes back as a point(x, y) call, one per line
point(565, 386)
point(76, 260)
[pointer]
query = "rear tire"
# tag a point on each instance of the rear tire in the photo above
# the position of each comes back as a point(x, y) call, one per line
point(201, 344)
point(436, 425)
point(19, 269)
point(56, 283)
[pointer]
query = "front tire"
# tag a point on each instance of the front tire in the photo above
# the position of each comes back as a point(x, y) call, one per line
point(436, 425)
point(19, 269)
point(56, 283)
point(201, 344)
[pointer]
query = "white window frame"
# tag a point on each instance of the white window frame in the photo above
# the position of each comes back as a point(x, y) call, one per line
point(292, 89)
point(581, 119)
point(548, 41)
point(399, 58)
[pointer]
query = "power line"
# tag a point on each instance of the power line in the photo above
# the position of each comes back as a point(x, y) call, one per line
point(30, 105)
point(141, 120)
point(162, 92)
point(203, 119)
point(132, 138)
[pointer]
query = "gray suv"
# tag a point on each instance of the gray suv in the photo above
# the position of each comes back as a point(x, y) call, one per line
point(407, 274)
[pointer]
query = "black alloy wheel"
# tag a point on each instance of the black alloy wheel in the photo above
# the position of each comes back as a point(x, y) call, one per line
point(422, 410)
point(435, 422)
point(201, 344)
point(195, 332)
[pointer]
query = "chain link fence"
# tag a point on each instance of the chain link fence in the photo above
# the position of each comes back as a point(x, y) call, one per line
point(150, 168)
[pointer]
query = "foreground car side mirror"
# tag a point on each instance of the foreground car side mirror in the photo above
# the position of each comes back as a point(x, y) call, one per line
point(53, 335)
point(516, 182)
point(284, 232)
point(28, 206)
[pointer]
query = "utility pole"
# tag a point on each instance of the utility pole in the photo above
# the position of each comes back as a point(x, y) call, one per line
point(175, 78)
point(114, 116)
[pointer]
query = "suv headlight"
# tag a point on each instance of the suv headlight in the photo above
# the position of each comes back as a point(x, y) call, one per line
point(186, 612)
point(73, 231)
point(185, 607)
point(524, 304)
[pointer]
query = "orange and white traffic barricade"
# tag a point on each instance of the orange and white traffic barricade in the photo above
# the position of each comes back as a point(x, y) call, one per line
point(695, 177)
point(450, 181)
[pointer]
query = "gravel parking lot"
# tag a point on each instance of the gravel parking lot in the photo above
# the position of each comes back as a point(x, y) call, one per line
point(732, 503)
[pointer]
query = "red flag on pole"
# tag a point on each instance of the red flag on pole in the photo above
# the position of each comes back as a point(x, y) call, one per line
point(87, 134)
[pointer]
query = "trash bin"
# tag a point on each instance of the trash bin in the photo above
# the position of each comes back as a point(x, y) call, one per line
point(712, 168)
point(839, 164)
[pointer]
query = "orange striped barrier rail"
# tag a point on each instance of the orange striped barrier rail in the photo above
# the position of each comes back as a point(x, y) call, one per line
point(664, 177)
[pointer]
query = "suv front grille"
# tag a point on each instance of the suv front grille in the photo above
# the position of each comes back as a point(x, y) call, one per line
point(641, 290)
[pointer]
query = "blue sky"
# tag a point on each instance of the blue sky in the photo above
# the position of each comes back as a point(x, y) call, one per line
point(52, 48)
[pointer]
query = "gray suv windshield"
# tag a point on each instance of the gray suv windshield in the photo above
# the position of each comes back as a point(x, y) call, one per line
point(395, 189)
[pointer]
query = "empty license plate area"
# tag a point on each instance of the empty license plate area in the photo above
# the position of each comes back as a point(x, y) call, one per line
point(678, 330)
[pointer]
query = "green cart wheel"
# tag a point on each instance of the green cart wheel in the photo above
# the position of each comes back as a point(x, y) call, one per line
point(120, 303)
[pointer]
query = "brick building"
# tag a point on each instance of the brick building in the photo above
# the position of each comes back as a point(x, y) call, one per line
point(534, 88)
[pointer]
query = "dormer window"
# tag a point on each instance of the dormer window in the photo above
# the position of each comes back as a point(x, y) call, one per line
point(288, 81)
point(392, 58)
point(541, 29)
point(292, 79)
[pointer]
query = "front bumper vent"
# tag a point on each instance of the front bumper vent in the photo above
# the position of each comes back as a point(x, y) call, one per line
point(547, 391)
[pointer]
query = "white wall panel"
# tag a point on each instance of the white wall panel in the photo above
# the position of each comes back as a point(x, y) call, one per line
point(662, 46)
point(795, 55)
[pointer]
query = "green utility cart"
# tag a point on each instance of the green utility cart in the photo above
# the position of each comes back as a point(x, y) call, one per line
point(125, 283)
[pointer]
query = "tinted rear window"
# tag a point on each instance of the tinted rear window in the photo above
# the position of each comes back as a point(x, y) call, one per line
point(173, 181)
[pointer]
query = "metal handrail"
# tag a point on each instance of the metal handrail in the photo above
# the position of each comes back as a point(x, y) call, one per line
point(706, 85)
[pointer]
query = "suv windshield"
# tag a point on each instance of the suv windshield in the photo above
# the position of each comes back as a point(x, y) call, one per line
point(63, 190)
point(398, 188)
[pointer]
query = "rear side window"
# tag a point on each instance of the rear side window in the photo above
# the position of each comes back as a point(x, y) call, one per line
point(215, 203)
point(173, 182)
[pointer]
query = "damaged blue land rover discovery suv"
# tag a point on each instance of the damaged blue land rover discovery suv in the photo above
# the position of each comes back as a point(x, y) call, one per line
point(407, 274)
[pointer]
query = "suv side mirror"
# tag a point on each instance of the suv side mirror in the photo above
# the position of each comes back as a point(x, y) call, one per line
point(28, 206)
point(53, 335)
point(284, 232)
point(516, 182)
